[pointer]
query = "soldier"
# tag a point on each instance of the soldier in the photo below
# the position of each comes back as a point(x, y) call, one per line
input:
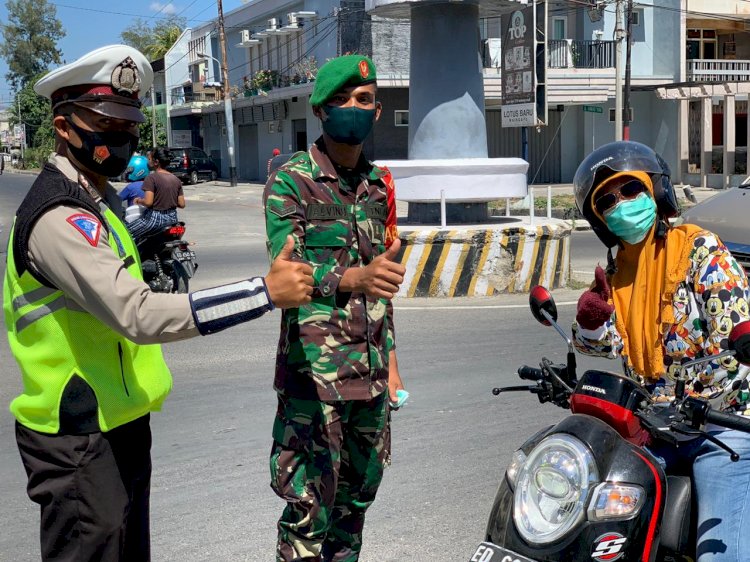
point(85, 328)
point(336, 364)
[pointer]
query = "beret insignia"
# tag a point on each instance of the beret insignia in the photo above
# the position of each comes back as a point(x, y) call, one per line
point(125, 77)
point(364, 70)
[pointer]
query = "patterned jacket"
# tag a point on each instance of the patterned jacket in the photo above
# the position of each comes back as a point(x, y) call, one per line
point(336, 347)
point(713, 298)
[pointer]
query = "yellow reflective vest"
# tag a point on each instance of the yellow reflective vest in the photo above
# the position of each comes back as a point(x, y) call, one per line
point(54, 339)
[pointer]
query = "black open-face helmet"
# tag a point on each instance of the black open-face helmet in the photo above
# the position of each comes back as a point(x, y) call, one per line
point(622, 156)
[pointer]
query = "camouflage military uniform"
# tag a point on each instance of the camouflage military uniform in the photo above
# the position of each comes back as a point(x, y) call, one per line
point(331, 433)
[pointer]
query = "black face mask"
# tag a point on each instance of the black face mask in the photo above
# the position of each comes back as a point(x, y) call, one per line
point(104, 152)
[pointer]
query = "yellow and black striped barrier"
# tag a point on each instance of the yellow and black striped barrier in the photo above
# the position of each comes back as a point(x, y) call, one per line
point(483, 262)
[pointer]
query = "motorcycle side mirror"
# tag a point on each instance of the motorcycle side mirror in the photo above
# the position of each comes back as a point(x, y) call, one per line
point(739, 342)
point(540, 299)
point(545, 311)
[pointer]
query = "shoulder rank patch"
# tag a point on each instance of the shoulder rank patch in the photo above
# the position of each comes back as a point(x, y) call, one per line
point(87, 225)
point(284, 211)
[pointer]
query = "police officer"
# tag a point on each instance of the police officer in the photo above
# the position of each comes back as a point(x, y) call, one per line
point(336, 365)
point(85, 329)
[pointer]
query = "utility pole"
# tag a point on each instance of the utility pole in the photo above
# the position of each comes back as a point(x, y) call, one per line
point(626, 101)
point(227, 98)
point(619, 32)
point(20, 122)
point(153, 117)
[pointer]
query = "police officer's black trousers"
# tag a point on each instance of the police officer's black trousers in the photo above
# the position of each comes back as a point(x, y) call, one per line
point(93, 491)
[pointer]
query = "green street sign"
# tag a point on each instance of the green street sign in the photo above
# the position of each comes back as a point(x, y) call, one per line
point(593, 109)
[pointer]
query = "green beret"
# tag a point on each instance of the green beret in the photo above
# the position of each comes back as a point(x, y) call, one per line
point(340, 73)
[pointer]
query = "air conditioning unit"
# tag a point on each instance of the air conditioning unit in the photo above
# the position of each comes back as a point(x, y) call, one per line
point(247, 39)
point(273, 23)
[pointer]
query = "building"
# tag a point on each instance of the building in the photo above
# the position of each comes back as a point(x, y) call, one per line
point(680, 59)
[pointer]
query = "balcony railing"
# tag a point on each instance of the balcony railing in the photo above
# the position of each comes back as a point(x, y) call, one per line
point(206, 96)
point(709, 70)
point(569, 53)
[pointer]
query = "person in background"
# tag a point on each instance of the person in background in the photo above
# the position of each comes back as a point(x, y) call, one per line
point(137, 171)
point(274, 154)
point(163, 195)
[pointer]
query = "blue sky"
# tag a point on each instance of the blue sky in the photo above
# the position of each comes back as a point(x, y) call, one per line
point(89, 25)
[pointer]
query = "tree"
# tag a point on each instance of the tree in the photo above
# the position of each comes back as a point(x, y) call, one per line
point(36, 118)
point(146, 141)
point(29, 40)
point(138, 34)
point(154, 40)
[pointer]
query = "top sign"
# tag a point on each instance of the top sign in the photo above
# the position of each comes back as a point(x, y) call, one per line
point(523, 63)
point(593, 109)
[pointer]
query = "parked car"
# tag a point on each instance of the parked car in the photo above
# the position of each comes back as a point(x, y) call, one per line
point(726, 215)
point(192, 164)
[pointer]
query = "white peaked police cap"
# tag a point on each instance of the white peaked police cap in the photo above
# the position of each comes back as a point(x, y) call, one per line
point(109, 80)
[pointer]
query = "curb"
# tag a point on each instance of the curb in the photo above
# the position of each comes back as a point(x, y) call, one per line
point(478, 262)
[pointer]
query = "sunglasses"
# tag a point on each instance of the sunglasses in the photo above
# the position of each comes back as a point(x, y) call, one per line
point(628, 190)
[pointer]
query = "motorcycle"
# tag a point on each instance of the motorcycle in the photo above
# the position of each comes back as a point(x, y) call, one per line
point(167, 262)
point(589, 487)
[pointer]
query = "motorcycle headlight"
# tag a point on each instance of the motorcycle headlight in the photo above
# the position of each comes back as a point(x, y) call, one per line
point(552, 488)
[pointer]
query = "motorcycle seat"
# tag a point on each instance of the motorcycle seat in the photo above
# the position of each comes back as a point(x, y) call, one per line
point(676, 532)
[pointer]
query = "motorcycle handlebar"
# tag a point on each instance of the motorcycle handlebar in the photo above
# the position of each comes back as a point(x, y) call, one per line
point(730, 421)
point(530, 373)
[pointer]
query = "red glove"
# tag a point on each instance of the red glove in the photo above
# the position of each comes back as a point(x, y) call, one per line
point(593, 305)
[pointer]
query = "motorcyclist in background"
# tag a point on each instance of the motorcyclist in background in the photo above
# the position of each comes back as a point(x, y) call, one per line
point(163, 196)
point(671, 294)
point(136, 171)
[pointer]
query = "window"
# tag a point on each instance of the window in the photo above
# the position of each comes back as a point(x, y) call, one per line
point(612, 114)
point(702, 44)
point(559, 28)
point(636, 17)
point(401, 117)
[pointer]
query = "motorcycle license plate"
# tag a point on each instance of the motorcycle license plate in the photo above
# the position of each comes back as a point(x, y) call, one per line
point(184, 255)
point(488, 552)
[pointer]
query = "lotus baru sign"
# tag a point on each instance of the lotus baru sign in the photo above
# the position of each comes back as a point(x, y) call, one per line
point(523, 65)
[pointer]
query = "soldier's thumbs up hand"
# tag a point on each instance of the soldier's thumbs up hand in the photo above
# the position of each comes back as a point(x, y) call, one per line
point(289, 282)
point(382, 277)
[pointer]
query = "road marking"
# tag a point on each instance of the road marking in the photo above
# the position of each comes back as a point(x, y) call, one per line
point(476, 307)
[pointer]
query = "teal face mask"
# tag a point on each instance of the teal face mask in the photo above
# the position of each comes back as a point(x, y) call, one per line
point(632, 220)
point(348, 125)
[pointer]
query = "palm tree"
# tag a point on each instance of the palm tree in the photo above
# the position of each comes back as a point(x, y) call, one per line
point(164, 36)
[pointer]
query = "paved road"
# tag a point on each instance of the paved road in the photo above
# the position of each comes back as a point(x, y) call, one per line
point(586, 252)
point(211, 500)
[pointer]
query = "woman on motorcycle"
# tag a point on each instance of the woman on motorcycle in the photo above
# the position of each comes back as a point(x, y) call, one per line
point(671, 294)
point(163, 195)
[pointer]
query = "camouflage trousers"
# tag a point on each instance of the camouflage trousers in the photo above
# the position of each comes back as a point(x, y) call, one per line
point(327, 462)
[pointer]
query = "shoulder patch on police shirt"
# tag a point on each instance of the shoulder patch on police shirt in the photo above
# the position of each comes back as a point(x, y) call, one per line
point(284, 211)
point(87, 225)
